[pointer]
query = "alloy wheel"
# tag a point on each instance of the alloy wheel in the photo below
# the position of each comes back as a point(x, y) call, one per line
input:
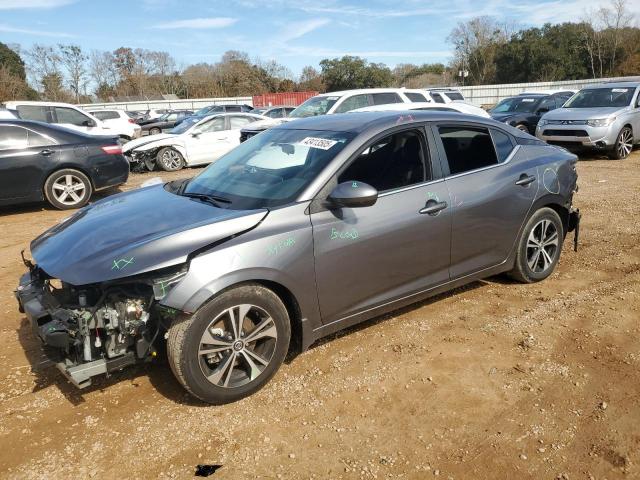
point(171, 160)
point(542, 246)
point(69, 189)
point(237, 346)
point(625, 143)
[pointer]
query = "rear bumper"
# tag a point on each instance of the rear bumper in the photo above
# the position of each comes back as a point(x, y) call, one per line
point(113, 170)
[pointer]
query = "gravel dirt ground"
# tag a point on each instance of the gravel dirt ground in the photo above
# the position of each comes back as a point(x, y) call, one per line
point(496, 380)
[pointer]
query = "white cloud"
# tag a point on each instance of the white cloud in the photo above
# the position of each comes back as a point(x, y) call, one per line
point(198, 23)
point(21, 4)
point(25, 31)
point(298, 29)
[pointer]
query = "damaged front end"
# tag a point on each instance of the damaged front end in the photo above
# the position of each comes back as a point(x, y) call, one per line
point(141, 160)
point(100, 328)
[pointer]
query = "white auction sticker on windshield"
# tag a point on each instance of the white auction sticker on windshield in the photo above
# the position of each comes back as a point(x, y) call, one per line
point(528, 100)
point(619, 90)
point(321, 143)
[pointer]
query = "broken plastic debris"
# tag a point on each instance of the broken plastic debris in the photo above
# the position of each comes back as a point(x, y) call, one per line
point(206, 470)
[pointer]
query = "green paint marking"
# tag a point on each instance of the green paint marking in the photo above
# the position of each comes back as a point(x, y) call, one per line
point(279, 247)
point(354, 185)
point(344, 234)
point(122, 263)
point(433, 196)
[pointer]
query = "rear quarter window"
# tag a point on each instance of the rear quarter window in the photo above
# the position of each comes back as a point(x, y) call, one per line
point(37, 113)
point(503, 143)
point(416, 97)
point(386, 98)
point(467, 148)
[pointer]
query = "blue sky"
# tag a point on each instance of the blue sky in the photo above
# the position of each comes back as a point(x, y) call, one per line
point(294, 32)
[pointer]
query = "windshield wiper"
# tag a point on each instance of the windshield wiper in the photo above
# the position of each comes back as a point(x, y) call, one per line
point(214, 200)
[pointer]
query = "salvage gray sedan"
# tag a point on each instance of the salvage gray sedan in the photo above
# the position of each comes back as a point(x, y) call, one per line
point(303, 230)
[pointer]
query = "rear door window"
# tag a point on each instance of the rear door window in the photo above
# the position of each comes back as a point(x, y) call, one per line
point(416, 97)
point(467, 148)
point(239, 121)
point(386, 98)
point(12, 137)
point(37, 113)
point(352, 103)
point(454, 96)
point(437, 98)
point(70, 116)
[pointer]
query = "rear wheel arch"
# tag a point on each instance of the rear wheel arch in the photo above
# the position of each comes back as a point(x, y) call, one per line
point(68, 166)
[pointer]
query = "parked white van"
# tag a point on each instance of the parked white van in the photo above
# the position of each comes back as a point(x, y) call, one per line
point(65, 115)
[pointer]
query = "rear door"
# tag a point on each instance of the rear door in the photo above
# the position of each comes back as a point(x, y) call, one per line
point(367, 257)
point(491, 191)
point(24, 160)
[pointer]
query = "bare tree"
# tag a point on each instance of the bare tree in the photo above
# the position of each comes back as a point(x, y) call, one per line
point(44, 67)
point(615, 19)
point(74, 62)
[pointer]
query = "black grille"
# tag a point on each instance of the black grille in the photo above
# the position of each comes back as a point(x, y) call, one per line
point(565, 133)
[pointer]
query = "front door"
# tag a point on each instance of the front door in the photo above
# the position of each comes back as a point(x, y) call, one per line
point(207, 141)
point(366, 257)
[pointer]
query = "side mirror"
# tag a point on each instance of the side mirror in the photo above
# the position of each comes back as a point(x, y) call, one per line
point(195, 134)
point(543, 110)
point(89, 123)
point(353, 195)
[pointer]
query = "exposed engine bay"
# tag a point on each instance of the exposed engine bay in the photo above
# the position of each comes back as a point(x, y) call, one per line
point(96, 329)
point(142, 160)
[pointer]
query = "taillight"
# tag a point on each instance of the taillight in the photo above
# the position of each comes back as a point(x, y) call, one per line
point(112, 149)
point(131, 120)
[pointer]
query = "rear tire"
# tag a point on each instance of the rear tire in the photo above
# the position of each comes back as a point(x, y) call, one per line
point(232, 346)
point(67, 189)
point(624, 145)
point(169, 159)
point(154, 131)
point(523, 128)
point(539, 247)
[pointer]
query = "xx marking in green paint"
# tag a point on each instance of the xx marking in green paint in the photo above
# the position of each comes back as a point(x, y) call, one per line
point(122, 263)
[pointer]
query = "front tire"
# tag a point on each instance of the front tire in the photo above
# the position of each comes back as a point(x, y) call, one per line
point(623, 146)
point(539, 247)
point(154, 131)
point(523, 128)
point(67, 189)
point(169, 159)
point(232, 346)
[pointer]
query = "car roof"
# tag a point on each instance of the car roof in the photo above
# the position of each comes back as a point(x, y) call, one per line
point(615, 85)
point(358, 122)
point(50, 129)
point(363, 91)
point(43, 104)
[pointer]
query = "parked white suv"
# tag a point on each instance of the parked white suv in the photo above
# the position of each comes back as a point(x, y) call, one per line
point(63, 114)
point(118, 120)
point(347, 100)
point(444, 95)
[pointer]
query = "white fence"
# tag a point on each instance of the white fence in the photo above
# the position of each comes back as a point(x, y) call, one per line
point(479, 95)
point(189, 104)
point(492, 94)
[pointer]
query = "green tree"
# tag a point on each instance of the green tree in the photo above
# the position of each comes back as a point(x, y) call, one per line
point(12, 62)
point(354, 72)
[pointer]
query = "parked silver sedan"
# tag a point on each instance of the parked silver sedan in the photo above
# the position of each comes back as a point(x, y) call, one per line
point(605, 117)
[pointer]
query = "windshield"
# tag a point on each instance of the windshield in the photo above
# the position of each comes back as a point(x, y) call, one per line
point(601, 97)
point(184, 125)
point(162, 118)
point(318, 105)
point(269, 169)
point(516, 104)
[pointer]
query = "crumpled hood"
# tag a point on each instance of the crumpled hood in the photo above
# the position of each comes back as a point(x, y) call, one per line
point(581, 113)
point(138, 142)
point(135, 232)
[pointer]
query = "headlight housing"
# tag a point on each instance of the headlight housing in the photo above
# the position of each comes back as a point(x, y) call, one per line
point(543, 122)
point(163, 285)
point(601, 122)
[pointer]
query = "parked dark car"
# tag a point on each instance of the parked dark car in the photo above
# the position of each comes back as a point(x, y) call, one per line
point(524, 111)
point(306, 229)
point(273, 112)
point(40, 161)
point(252, 130)
point(165, 122)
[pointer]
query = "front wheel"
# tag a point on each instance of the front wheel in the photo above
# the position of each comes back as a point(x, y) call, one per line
point(539, 247)
point(624, 144)
point(232, 346)
point(169, 159)
point(154, 131)
point(522, 127)
point(67, 189)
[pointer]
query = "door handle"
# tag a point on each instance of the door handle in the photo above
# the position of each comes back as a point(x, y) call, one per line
point(433, 208)
point(46, 152)
point(525, 180)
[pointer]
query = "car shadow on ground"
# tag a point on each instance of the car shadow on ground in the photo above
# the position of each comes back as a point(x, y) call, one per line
point(43, 206)
point(159, 373)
